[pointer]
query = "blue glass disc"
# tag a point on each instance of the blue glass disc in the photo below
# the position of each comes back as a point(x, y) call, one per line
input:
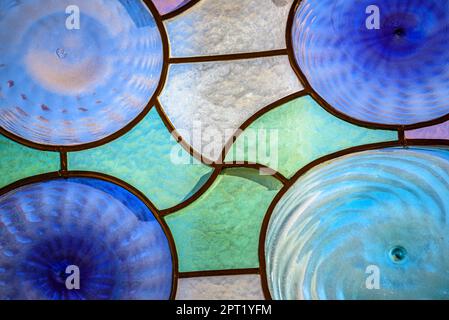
point(395, 75)
point(75, 72)
point(110, 235)
point(372, 225)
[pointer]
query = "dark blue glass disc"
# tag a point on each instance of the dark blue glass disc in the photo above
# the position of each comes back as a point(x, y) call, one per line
point(119, 248)
point(388, 65)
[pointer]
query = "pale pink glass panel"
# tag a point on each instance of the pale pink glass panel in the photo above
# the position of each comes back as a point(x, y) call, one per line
point(167, 6)
point(440, 131)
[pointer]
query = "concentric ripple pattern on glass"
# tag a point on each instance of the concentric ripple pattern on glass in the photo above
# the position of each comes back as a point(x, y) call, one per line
point(81, 239)
point(75, 71)
point(373, 225)
point(382, 62)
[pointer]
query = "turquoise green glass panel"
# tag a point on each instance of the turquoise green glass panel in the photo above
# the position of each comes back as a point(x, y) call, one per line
point(150, 159)
point(221, 229)
point(305, 132)
point(18, 162)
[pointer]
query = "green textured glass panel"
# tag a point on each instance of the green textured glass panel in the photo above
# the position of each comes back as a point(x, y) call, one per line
point(18, 162)
point(150, 159)
point(221, 229)
point(298, 132)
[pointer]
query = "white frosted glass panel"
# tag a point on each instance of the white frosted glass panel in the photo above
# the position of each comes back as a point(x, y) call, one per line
point(215, 27)
point(207, 102)
point(240, 287)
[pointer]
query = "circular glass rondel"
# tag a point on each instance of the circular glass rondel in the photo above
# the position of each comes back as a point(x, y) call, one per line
point(382, 62)
point(81, 238)
point(74, 72)
point(372, 225)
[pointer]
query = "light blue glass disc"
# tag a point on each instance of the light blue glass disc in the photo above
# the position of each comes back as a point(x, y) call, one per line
point(74, 72)
point(372, 225)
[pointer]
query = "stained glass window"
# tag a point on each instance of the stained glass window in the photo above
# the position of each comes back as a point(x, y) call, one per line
point(223, 149)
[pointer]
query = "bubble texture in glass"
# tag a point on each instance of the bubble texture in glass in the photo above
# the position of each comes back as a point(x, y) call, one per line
point(395, 75)
point(64, 85)
point(384, 211)
point(102, 229)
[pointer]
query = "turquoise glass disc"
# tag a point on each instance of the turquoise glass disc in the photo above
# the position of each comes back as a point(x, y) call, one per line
point(372, 225)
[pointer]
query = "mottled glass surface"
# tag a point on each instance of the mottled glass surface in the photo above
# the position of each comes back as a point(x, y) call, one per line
point(214, 27)
point(238, 287)
point(167, 6)
point(381, 213)
point(91, 84)
point(307, 133)
point(64, 83)
point(439, 131)
point(207, 102)
point(150, 159)
point(394, 74)
point(221, 229)
point(19, 162)
point(117, 245)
